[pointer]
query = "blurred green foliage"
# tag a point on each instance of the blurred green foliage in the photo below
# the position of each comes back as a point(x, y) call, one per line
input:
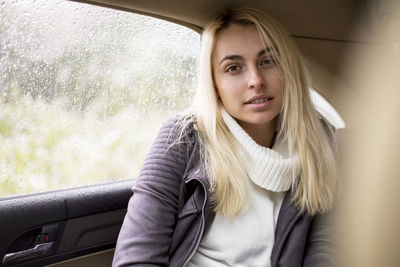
point(85, 109)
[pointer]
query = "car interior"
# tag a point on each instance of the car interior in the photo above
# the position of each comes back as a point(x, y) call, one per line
point(80, 226)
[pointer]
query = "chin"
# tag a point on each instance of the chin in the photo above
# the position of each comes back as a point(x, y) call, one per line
point(263, 119)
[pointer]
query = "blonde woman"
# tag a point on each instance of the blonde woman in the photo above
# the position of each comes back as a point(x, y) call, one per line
point(244, 177)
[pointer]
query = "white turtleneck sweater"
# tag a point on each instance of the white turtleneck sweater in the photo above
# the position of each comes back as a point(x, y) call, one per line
point(248, 238)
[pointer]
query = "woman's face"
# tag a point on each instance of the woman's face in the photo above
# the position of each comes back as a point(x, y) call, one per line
point(248, 82)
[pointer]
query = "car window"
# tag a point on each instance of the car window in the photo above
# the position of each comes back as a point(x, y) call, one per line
point(84, 90)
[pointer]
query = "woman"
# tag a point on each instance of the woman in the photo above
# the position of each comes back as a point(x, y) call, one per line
point(243, 178)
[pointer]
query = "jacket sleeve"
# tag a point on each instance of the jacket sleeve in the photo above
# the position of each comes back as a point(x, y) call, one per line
point(323, 248)
point(148, 225)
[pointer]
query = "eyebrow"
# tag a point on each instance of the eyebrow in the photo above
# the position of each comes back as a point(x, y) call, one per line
point(237, 57)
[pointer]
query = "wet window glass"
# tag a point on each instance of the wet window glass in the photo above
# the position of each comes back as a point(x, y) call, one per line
point(84, 90)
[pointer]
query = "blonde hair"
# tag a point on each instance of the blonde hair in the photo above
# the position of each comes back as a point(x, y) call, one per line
point(299, 124)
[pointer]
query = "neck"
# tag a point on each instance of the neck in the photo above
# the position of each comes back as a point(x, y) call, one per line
point(262, 134)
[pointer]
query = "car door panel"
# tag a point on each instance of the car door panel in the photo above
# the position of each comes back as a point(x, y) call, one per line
point(98, 259)
point(45, 228)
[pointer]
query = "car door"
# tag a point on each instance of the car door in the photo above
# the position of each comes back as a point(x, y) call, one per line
point(84, 90)
point(44, 228)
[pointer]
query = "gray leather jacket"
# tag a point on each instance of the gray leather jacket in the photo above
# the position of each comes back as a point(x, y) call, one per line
point(169, 213)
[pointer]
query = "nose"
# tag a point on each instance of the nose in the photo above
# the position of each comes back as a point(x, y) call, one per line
point(255, 79)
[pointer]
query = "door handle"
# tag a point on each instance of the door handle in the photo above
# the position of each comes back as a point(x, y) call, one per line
point(38, 250)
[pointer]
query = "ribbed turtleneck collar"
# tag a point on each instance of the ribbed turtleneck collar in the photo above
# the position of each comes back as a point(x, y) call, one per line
point(272, 169)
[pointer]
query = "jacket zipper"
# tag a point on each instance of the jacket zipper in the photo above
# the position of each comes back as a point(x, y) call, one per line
point(202, 221)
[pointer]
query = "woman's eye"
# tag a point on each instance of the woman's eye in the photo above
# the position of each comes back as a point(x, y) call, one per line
point(268, 61)
point(232, 68)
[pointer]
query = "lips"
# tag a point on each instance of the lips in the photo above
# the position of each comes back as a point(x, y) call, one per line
point(259, 99)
